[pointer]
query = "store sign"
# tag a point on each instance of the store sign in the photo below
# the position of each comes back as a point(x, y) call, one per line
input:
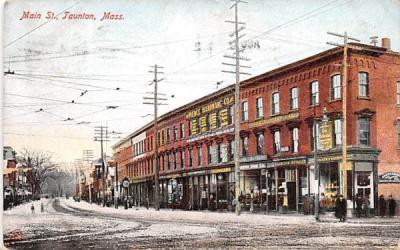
point(287, 163)
point(253, 166)
point(329, 158)
point(390, 177)
point(203, 172)
point(220, 170)
point(325, 135)
point(275, 119)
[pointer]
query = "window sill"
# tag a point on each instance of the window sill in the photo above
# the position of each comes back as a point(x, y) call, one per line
point(276, 114)
point(335, 100)
point(314, 105)
point(259, 118)
point(294, 110)
point(364, 98)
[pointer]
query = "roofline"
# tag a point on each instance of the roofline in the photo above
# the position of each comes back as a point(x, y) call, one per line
point(271, 73)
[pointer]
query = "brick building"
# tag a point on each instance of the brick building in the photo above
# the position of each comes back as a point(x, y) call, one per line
point(278, 109)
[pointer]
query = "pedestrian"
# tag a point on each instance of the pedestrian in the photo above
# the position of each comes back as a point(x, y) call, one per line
point(359, 203)
point(306, 207)
point(392, 206)
point(341, 208)
point(382, 205)
point(41, 207)
point(147, 202)
point(33, 208)
point(312, 204)
point(366, 205)
point(251, 201)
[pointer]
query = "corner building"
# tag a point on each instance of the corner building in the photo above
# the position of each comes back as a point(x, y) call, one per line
point(278, 109)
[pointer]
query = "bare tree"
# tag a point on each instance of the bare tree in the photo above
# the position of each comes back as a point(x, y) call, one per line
point(41, 165)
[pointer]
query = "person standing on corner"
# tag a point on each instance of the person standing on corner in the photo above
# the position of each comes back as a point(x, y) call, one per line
point(359, 203)
point(392, 206)
point(382, 205)
point(341, 208)
point(366, 205)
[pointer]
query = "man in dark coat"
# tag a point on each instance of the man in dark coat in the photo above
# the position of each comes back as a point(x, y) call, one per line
point(382, 205)
point(359, 203)
point(392, 206)
point(341, 208)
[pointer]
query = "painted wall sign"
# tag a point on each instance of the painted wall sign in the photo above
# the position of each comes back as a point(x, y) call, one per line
point(275, 119)
point(390, 177)
point(210, 107)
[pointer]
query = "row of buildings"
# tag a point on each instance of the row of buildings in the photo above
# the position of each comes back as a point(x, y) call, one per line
point(278, 108)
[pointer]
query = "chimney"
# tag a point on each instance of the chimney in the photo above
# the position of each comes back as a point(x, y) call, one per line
point(386, 43)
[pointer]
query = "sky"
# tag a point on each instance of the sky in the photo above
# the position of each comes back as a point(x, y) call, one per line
point(71, 75)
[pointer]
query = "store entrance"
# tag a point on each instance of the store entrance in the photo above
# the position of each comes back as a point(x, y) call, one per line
point(291, 193)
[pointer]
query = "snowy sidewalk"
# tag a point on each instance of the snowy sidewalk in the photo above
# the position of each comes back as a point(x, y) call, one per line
point(206, 216)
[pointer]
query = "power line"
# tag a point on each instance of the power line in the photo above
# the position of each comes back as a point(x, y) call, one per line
point(58, 137)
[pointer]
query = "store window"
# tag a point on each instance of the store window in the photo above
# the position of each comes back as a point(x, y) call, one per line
point(363, 81)
point(260, 144)
point(363, 131)
point(314, 93)
point(245, 111)
point(277, 142)
point(338, 132)
point(294, 98)
point(245, 146)
point(259, 107)
point(295, 140)
point(275, 103)
point(335, 87)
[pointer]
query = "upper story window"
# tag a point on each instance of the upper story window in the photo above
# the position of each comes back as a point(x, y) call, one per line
point(175, 160)
point(231, 114)
point(190, 151)
point(363, 81)
point(335, 87)
point(295, 140)
point(231, 150)
point(162, 137)
point(175, 133)
point(245, 146)
point(277, 142)
point(363, 131)
point(398, 134)
point(338, 132)
point(190, 127)
point(259, 107)
point(218, 119)
point(168, 135)
point(182, 130)
point(398, 93)
point(245, 111)
point(199, 155)
point(219, 153)
point(260, 144)
point(314, 93)
point(182, 159)
point(294, 98)
point(209, 154)
point(317, 137)
point(275, 103)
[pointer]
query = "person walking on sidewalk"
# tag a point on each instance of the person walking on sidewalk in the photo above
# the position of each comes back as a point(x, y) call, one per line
point(359, 203)
point(33, 208)
point(392, 206)
point(366, 205)
point(341, 208)
point(382, 206)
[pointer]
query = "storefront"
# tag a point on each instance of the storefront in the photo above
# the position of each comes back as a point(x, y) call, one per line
point(253, 186)
point(287, 181)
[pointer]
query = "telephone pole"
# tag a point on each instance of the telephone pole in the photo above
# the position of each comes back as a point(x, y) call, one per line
point(101, 135)
point(154, 101)
point(344, 166)
point(238, 58)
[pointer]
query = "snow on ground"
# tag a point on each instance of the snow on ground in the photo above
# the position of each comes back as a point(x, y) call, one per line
point(191, 216)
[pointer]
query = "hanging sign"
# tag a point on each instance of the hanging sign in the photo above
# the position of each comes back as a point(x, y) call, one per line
point(325, 135)
point(390, 177)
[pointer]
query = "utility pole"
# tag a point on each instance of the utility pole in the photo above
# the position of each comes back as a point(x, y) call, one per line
point(236, 56)
point(344, 166)
point(101, 135)
point(154, 101)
